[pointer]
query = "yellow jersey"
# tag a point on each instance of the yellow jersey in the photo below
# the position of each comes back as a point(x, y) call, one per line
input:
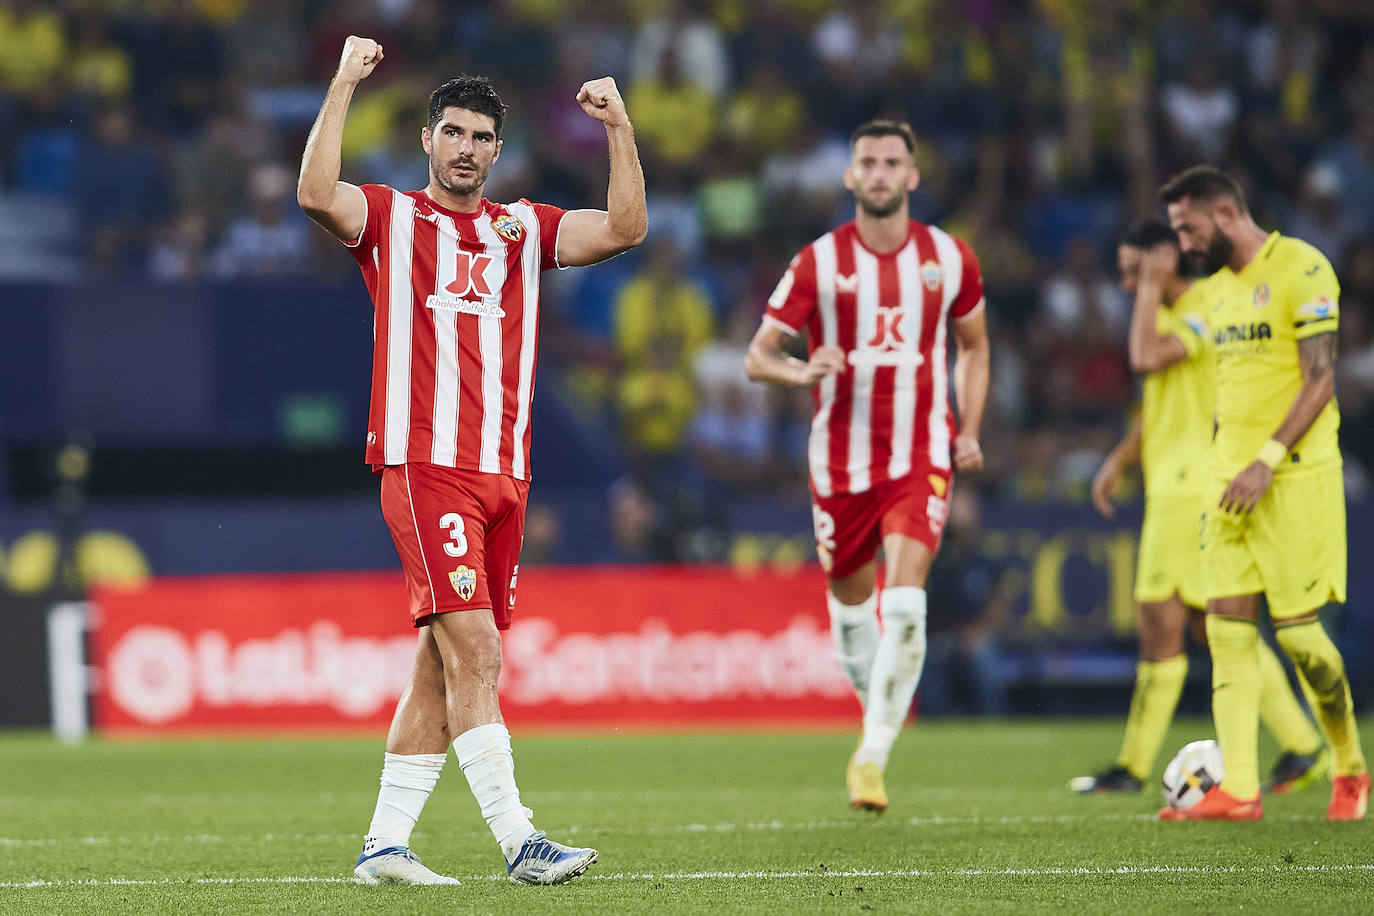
point(1287, 293)
point(1178, 400)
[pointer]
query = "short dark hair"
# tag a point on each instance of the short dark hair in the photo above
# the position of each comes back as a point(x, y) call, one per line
point(1205, 183)
point(1146, 234)
point(883, 127)
point(471, 93)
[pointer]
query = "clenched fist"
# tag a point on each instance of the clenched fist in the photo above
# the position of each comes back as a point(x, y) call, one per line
point(601, 99)
point(968, 454)
point(360, 58)
point(826, 359)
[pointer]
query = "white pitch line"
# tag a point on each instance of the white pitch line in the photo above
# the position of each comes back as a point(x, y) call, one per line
point(430, 836)
point(1076, 872)
point(855, 823)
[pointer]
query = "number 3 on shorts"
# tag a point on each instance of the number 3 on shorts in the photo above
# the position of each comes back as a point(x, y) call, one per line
point(454, 522)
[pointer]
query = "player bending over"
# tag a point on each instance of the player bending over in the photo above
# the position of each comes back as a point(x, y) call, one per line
point(1274, 525)
point(877, 298)
point(1170, 343)
point(454, 280)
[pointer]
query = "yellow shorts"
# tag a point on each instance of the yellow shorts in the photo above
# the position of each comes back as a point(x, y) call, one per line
point(1291, 547)
point(1170, 557)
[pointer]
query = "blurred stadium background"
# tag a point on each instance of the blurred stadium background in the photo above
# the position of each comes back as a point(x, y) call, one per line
point(184, 357)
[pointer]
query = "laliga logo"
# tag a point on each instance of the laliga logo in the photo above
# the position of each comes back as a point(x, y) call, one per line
point(158, 675)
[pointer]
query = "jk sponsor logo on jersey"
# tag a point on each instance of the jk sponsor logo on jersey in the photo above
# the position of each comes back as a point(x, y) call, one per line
point(470, 292)
point(464, 582)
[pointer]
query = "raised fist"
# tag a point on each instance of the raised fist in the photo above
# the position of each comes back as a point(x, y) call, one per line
point(360, 58)
point(601, 99)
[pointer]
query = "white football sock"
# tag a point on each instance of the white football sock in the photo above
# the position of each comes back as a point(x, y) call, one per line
point(485, 756)
point(407, 781)
point(896, 672)
point(855, 628)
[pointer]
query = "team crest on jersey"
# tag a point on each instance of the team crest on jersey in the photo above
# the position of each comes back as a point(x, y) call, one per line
point(509, 227)
point(464, 582)
point(932, 275)
point(1261, 295)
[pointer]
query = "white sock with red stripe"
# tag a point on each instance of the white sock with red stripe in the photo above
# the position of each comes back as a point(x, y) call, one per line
point(855, 628)
point(896, 671)
point(407, 781)
point(484, 754)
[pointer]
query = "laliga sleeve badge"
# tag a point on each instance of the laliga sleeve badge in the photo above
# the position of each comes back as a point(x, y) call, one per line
point(464, 582)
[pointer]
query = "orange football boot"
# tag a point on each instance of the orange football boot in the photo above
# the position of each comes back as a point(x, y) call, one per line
point(1349, 797)
point(1217, 805)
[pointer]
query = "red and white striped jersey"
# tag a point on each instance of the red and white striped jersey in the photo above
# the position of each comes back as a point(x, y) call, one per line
point(888, 410)
point(455, 328)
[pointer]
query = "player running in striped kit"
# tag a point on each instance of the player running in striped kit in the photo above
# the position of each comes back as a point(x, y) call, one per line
point(878, 298)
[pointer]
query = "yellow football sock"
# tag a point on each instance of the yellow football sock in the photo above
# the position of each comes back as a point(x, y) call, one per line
point(1323, 675)
point(1235, 701)
point(1279, 709)
point(1157, 686)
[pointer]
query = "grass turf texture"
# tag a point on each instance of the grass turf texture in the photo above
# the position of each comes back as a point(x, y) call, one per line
point(980, 823)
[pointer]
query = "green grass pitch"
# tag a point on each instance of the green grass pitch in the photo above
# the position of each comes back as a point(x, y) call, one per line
point(980, 822)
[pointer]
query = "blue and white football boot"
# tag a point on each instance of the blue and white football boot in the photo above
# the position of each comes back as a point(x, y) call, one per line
point(395, 865)
point(542, 861)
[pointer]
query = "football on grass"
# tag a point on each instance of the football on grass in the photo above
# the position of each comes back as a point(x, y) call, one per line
point(1194, 770)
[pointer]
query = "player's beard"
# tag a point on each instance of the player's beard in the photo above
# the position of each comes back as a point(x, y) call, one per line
point(1216, 256)
point(880, 208)
point(459, 187)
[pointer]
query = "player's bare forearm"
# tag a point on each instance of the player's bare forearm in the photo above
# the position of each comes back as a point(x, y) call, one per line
point(971, 371)
point(338, 207)
point(1127, 451)
point(1107, 481)
point(971, 380)
point(765, 361)
point(588, 236)
point(627, 211)
point(1317, 356)
point(322, 160)
point(1149, 350)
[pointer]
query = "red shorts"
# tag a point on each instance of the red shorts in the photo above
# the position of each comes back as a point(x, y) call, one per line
point(850, 526)
point(458, 534)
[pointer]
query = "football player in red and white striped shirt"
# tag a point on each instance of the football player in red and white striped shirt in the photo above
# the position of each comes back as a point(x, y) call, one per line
point(454, 281)
point(877, 298)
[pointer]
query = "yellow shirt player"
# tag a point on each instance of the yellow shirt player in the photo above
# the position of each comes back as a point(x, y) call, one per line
point(1274, 526)
point(1170, 343)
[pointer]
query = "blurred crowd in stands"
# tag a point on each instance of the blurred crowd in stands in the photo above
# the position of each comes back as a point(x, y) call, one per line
point(160, 138)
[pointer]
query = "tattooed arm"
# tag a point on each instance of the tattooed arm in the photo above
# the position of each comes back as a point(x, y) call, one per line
point(1317, 356)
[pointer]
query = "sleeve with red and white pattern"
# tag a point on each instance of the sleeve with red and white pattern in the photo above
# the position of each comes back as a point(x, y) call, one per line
point(793, 301)
point(550, 217)
point(378, 197)
point(970, 297)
